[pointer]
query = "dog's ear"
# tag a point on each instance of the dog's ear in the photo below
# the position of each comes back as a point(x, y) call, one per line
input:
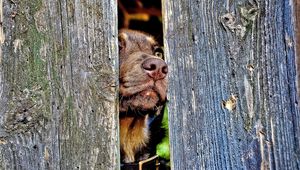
point(122, 40)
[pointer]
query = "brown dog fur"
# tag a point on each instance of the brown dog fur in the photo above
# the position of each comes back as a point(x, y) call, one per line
point(140, 94)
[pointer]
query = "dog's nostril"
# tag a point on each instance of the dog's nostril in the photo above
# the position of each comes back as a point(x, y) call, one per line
point(152, 67)
point(165, 69)
point(153, 64)
point(150, 64)
point(155, 68)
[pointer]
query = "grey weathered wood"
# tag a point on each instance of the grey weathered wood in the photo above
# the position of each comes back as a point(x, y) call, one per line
point(58, 74)
point(238, 50)
point(297, 23)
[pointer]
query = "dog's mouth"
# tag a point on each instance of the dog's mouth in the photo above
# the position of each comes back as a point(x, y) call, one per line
point(145, 100)
point(148, 93)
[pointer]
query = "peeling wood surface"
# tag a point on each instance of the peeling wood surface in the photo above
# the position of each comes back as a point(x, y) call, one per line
point(232, 84)
point(58, 80)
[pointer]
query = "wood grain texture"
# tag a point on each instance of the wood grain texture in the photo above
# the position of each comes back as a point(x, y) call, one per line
point(297, 24)
point(232, 84)
point(58, 85)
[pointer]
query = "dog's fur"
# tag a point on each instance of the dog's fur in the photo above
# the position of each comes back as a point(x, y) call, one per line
point(141, 95)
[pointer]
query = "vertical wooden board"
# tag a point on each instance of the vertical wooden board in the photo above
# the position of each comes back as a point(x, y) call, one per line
point(297, 24)
point(232, 84)
point(58, 85)
point(89, 126)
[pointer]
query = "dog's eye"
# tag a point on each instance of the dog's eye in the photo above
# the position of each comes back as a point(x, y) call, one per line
point(158, 52)
point(121, 42)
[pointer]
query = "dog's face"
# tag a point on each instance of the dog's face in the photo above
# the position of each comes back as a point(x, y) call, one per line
point(143, 82)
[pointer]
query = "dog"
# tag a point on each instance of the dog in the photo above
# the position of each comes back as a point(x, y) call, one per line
point(143, 89)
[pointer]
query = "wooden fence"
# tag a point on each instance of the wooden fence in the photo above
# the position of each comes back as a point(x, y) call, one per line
point(232, 84)
point(58, 79)
point(233, 95)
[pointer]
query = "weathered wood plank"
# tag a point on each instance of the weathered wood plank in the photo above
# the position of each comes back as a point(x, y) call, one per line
point(297, 23)
point(58, 74)
point(241, 52)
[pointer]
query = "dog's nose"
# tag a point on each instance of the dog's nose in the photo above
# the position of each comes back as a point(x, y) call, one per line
point(156, 68)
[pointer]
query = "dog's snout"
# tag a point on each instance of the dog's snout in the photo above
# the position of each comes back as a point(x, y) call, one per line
point(156, 68)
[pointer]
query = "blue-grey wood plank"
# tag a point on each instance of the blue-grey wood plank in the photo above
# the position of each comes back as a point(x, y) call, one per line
point(58, 85)
point(232, 84)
